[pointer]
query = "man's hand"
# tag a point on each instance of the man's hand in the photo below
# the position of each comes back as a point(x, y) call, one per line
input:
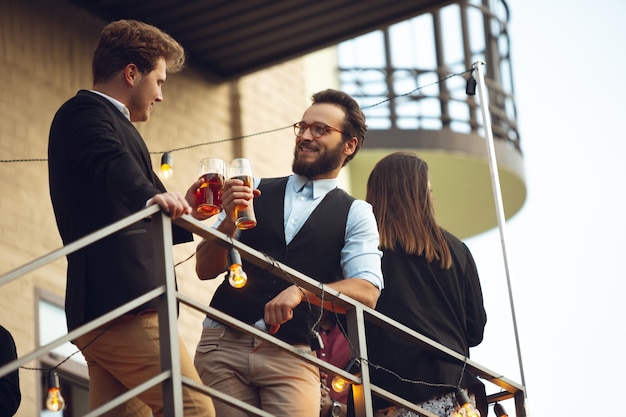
point(190, 196)
point(279, 310)
point(325, 401)
point(235, 194)
point(172, 203)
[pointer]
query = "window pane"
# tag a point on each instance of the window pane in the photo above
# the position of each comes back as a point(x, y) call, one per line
point(52, 325)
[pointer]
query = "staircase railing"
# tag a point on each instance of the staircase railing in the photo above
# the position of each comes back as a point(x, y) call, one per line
point(167, 298)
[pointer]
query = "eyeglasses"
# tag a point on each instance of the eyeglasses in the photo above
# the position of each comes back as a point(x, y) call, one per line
point(318, 129)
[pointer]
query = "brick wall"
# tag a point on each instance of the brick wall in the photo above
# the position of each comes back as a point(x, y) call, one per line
point(45, 57)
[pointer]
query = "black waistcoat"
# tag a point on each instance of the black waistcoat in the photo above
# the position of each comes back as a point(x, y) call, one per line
point(314, 251)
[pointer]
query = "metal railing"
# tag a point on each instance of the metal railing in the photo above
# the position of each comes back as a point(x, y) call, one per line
point(401, 93)
point(168, 298)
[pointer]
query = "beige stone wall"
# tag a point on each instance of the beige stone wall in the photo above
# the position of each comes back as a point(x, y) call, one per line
point(40, 63)
point(45, 57)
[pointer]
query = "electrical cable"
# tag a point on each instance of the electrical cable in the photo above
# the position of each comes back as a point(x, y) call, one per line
point(265, 131)
point(471, 84)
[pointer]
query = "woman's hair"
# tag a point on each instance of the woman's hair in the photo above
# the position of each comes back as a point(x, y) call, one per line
point(126, 42)
point(354, 124)
point(398, 189)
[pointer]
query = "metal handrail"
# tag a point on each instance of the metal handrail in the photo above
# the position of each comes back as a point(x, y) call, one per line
point(168, 297)
point(357, 315)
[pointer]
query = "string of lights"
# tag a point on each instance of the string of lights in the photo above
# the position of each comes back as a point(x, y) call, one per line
point(238, 278)
point(182, 148)
point(339, 384)
point(54, 399)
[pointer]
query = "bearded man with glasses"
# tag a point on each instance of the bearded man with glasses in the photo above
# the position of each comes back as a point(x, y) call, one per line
point(306, 222)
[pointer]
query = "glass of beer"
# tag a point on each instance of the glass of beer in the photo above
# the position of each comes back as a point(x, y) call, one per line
point(241, 169)
point(209, 195)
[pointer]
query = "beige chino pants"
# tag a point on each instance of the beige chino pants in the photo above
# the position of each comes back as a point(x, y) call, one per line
point(257, 373)
point(127, 354)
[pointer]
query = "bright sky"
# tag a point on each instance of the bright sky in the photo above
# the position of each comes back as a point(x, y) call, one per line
point(563, 247)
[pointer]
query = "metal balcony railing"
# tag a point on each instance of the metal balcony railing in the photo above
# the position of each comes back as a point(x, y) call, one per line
point(407, 75)
point(168, 298)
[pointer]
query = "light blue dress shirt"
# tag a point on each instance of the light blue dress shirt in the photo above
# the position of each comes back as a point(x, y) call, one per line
point(360, 256)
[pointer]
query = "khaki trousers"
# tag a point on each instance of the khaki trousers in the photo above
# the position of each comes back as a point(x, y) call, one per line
point(257, 373)
point(127, 354)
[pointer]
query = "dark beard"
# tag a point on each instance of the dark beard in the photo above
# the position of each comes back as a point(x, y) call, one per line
point(325, 164)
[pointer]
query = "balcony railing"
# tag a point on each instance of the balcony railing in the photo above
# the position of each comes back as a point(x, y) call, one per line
point(167, 297)
point(411, 75)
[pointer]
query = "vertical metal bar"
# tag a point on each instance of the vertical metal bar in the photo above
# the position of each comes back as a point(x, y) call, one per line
point(467, 59)
point(441, 69)
point(495, 181)
point(520, 407)
point(168, 315)
point(362, 394)
point(389, 78)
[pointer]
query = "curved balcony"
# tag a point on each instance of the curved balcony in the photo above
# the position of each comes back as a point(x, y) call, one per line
point(410, 79)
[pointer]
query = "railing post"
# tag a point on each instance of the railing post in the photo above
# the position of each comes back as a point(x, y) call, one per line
point(520, 403)
point(168, 316)
point(362, 394)
point(167, 298)
point(497, 195)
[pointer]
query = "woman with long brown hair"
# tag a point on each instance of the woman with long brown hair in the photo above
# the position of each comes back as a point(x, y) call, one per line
point(432, 286)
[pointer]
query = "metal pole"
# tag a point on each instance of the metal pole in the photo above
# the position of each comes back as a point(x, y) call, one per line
point(495, 181)
point(168, 315)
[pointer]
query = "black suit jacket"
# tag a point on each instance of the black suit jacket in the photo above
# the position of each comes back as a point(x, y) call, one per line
point(100, 172)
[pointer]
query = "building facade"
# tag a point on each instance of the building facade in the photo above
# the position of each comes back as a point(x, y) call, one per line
point(45, 58)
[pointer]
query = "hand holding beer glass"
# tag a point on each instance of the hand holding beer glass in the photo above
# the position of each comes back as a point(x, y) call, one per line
point(209, 195)
point(241, 169)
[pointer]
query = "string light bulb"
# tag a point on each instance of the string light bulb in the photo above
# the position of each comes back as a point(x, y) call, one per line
point(55, 401)
point(499, 410)
point(236, 275)
point(466, 408)
point(339, 384)
point(167, 162)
